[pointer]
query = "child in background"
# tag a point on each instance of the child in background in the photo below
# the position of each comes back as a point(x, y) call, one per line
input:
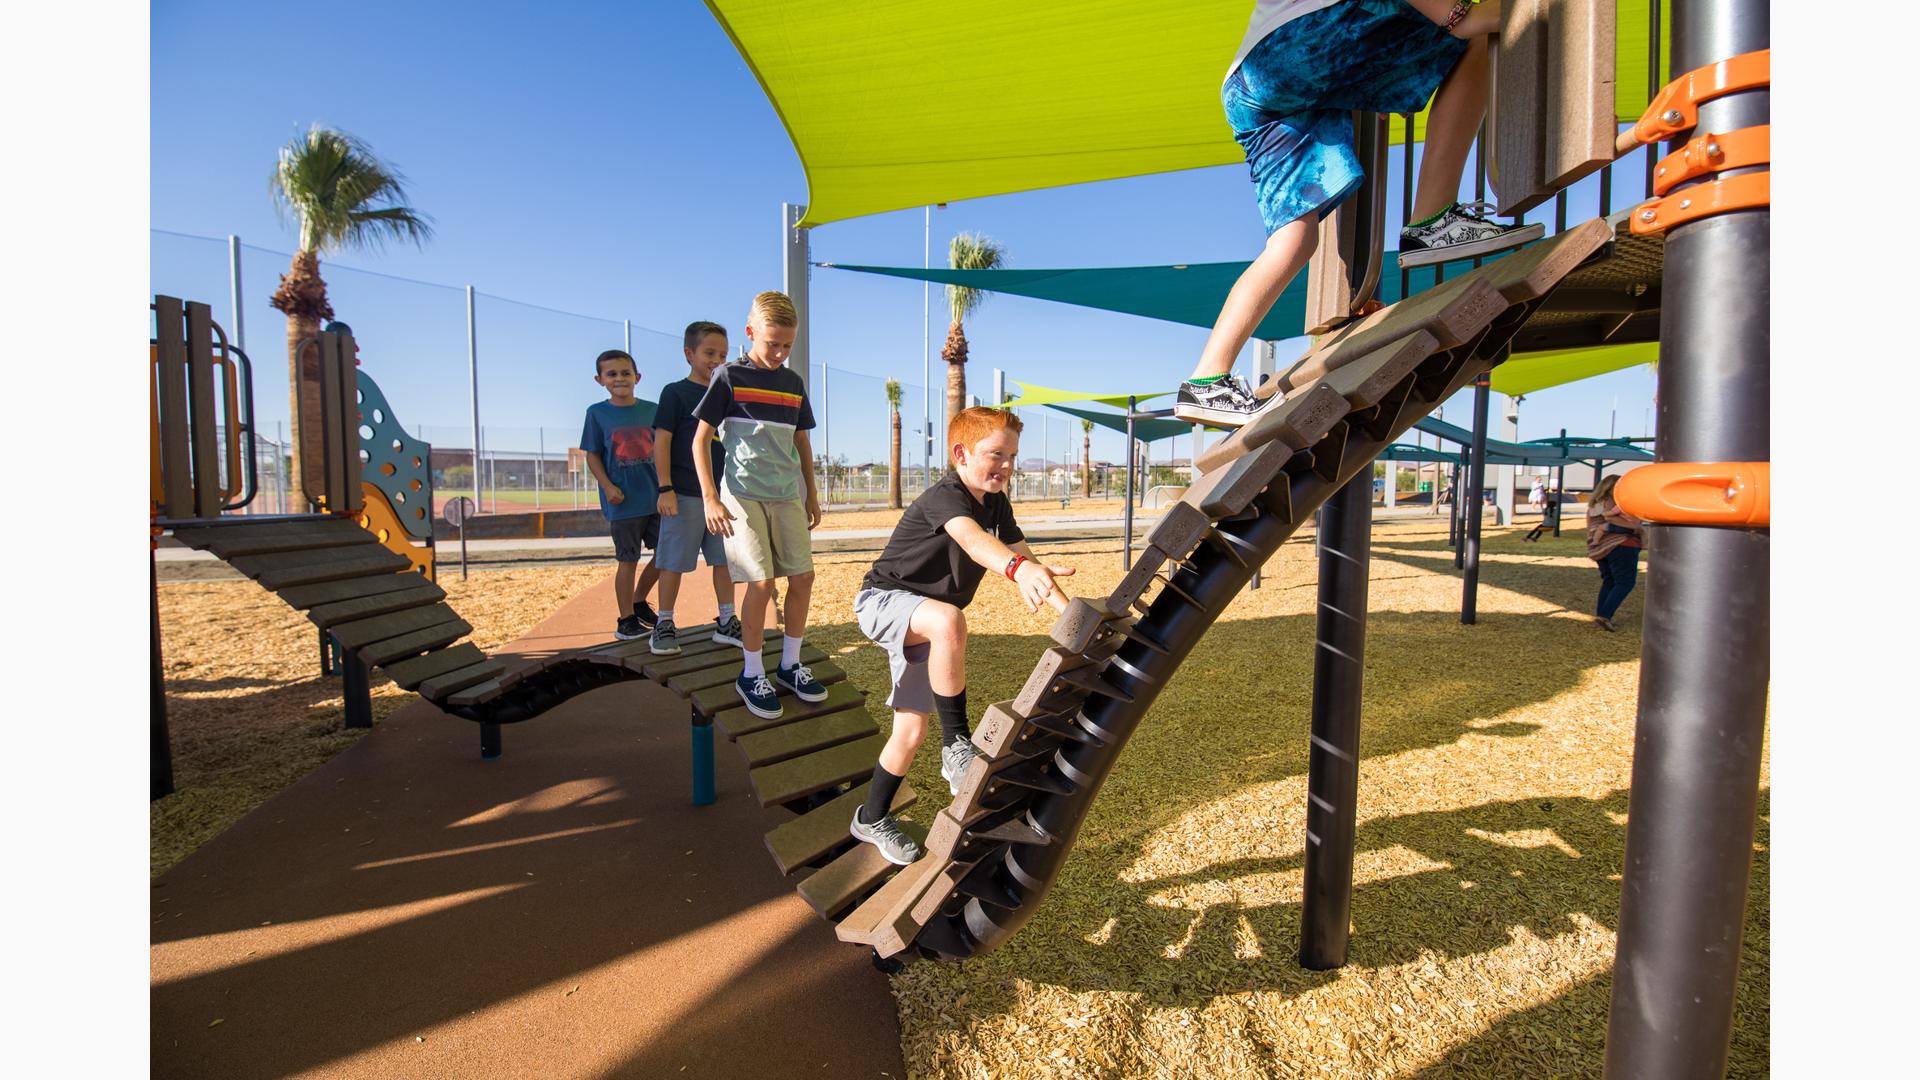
point(911, 602)
point(760, 411)
point(1303, 68)
point(618, 441)
point(684, 536)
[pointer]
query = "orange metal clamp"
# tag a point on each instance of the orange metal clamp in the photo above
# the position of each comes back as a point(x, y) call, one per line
point(1710, 153)
point(1676, 108)
point(1729, 493)
point(1749, 191)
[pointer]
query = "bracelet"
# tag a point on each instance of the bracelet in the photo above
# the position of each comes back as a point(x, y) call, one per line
point(1460, 9)
point(1014, 564)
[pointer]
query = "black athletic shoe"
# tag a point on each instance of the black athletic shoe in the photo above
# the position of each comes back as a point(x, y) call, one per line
point(1225, 402)
point(1459, 234)
point(645, 613)
point(628, 629)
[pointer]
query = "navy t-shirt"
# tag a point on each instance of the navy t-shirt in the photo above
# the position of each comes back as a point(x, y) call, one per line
point(675, 415)
point(622, 438)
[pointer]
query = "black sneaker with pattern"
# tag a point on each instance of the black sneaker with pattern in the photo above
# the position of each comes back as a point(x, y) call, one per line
point(1225, 402)
point(1458, 233)
point(628, 629)
point(645, 613)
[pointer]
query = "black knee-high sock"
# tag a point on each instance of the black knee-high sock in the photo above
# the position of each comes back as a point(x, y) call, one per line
point(880, 795)
point(953, 716)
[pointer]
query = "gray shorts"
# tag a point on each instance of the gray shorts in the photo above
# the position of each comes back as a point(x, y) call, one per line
point(684, 539)
point(883, 615)
point(629, 534)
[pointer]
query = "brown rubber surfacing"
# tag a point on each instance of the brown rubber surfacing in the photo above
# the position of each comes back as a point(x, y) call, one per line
point(408, 890)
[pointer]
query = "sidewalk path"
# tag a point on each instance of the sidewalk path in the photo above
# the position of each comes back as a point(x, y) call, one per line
point(410, 910)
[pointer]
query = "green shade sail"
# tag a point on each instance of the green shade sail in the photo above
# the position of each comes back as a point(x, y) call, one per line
point(1035, 394)
point(1526, 373)
point(1144, 430)
point(911, 102)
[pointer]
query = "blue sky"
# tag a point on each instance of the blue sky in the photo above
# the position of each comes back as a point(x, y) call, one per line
point(619, 161)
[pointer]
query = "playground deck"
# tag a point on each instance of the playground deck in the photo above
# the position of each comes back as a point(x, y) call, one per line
point(409, 909)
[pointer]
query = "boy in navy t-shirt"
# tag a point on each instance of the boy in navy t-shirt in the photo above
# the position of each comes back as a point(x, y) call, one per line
point(618, 441)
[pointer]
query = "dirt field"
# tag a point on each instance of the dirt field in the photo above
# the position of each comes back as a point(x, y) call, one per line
point(1493, 798)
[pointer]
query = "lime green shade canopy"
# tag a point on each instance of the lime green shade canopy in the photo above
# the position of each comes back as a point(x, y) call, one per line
point(910, 102)
point(1034, 394)
point(1527, 373)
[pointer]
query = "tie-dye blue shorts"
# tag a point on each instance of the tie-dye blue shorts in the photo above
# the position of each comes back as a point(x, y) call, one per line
point(1291, 100)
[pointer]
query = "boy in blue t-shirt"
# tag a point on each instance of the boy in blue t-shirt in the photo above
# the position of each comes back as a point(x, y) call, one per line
point(618, 441)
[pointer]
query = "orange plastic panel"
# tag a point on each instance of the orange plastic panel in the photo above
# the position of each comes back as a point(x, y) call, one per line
point(1748, 191)
point(1676, 108)
point(1710, 153)
point(1732, 493)
point(377, 517)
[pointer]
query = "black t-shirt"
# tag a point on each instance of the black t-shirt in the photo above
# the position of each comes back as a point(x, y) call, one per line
point(675, 414)
point(922, 559)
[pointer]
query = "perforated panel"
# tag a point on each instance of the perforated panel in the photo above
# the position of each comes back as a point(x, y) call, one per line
point(395, 462)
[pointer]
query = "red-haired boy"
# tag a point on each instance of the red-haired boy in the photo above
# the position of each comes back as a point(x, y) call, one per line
point(911, 602)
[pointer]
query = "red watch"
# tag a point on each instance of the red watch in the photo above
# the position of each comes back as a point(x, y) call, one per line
point(1014, 564)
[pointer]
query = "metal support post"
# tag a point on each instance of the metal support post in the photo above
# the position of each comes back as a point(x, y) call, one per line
point(1476, 476)
point(1704, 648)
point(233, 274)
point(356, 683)
point(1560, 488)
point(794, 272)
point(703, 785)
point(160, 783)
point(473, 393)
point(489, 741)
point(1333, 760)
point(1126, 553)
point(1456, 509)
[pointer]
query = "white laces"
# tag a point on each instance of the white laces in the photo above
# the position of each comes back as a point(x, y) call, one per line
point(1486, 208)
point(761, 685)
point(802, 673)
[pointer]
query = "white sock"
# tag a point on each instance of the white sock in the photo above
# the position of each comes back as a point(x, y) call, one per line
point(789, 651)
point(665, 614)
point(756, 664)
point(726, 612)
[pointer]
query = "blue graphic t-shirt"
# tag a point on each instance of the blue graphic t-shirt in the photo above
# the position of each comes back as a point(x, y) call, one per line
point(622, 438)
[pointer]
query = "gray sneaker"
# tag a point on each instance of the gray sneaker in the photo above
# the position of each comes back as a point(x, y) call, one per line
point(955, 759)
point(895, 845)
point(666, 641)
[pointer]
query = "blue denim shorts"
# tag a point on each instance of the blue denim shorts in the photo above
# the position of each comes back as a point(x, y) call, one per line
point(1290, 101)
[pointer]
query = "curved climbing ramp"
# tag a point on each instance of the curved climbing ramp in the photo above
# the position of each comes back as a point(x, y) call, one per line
point(993, 854)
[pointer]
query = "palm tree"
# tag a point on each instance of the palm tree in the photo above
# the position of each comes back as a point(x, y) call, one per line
point(1086, 458)
point(893, 448)
point(968, 251)
point(343, 197)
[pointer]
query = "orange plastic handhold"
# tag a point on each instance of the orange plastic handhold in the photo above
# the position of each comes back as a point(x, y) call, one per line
point(1711, 153)
point(1676, 108)
point(1730, 493)
point(1748, 191)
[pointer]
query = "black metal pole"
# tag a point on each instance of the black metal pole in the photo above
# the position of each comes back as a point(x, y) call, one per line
point(356, 684)
point(1453, 511)
point(1333, 759)
point(1704, 648)
point(1126, 552)
point(1560, 487)
point(489, 741)
point(1476, 479)
point(161, 782)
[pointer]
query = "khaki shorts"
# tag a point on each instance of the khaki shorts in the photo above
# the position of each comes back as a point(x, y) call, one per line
point(769, 539)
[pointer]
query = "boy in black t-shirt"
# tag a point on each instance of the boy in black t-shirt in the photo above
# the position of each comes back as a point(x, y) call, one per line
point(684, 537)
point(910, 604)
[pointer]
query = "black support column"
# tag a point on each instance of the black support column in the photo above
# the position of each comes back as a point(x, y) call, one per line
point(1476, 480)
point(161, 755)
point(1333, 761)
point(1703, 666)
point(356, 684)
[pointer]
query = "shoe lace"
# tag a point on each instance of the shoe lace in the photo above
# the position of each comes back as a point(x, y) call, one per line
point(762, 685)
point(888, 828)
point(801, 673)
point(1484, 207)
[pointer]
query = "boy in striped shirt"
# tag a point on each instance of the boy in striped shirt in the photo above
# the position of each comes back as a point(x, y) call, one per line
point(767, 506)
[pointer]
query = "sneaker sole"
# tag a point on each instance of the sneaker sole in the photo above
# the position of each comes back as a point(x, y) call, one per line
point(1202, 414)
point(627, 637)
point(656, 650)
point(733, 641)
point(1430, 256)
point(764, 714)
point(851, 831)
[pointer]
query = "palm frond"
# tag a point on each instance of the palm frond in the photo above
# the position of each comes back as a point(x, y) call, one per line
point(893, 394)
point(342, 194)
point(971, 251)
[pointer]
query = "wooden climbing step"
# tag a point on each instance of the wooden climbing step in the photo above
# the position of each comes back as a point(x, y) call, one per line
point(702, 644)
point(381, 653)
point(728, 669)
point(797, 778)
point(410, 673)
point(806, 736)
point(363, 632)
point(883, 922)
point(711, 699)
point(439, 686)
point(328, 592)
point(288, 568)
point(422, 593)
point(836, 886)
point(796, 843)
point(736, 721)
